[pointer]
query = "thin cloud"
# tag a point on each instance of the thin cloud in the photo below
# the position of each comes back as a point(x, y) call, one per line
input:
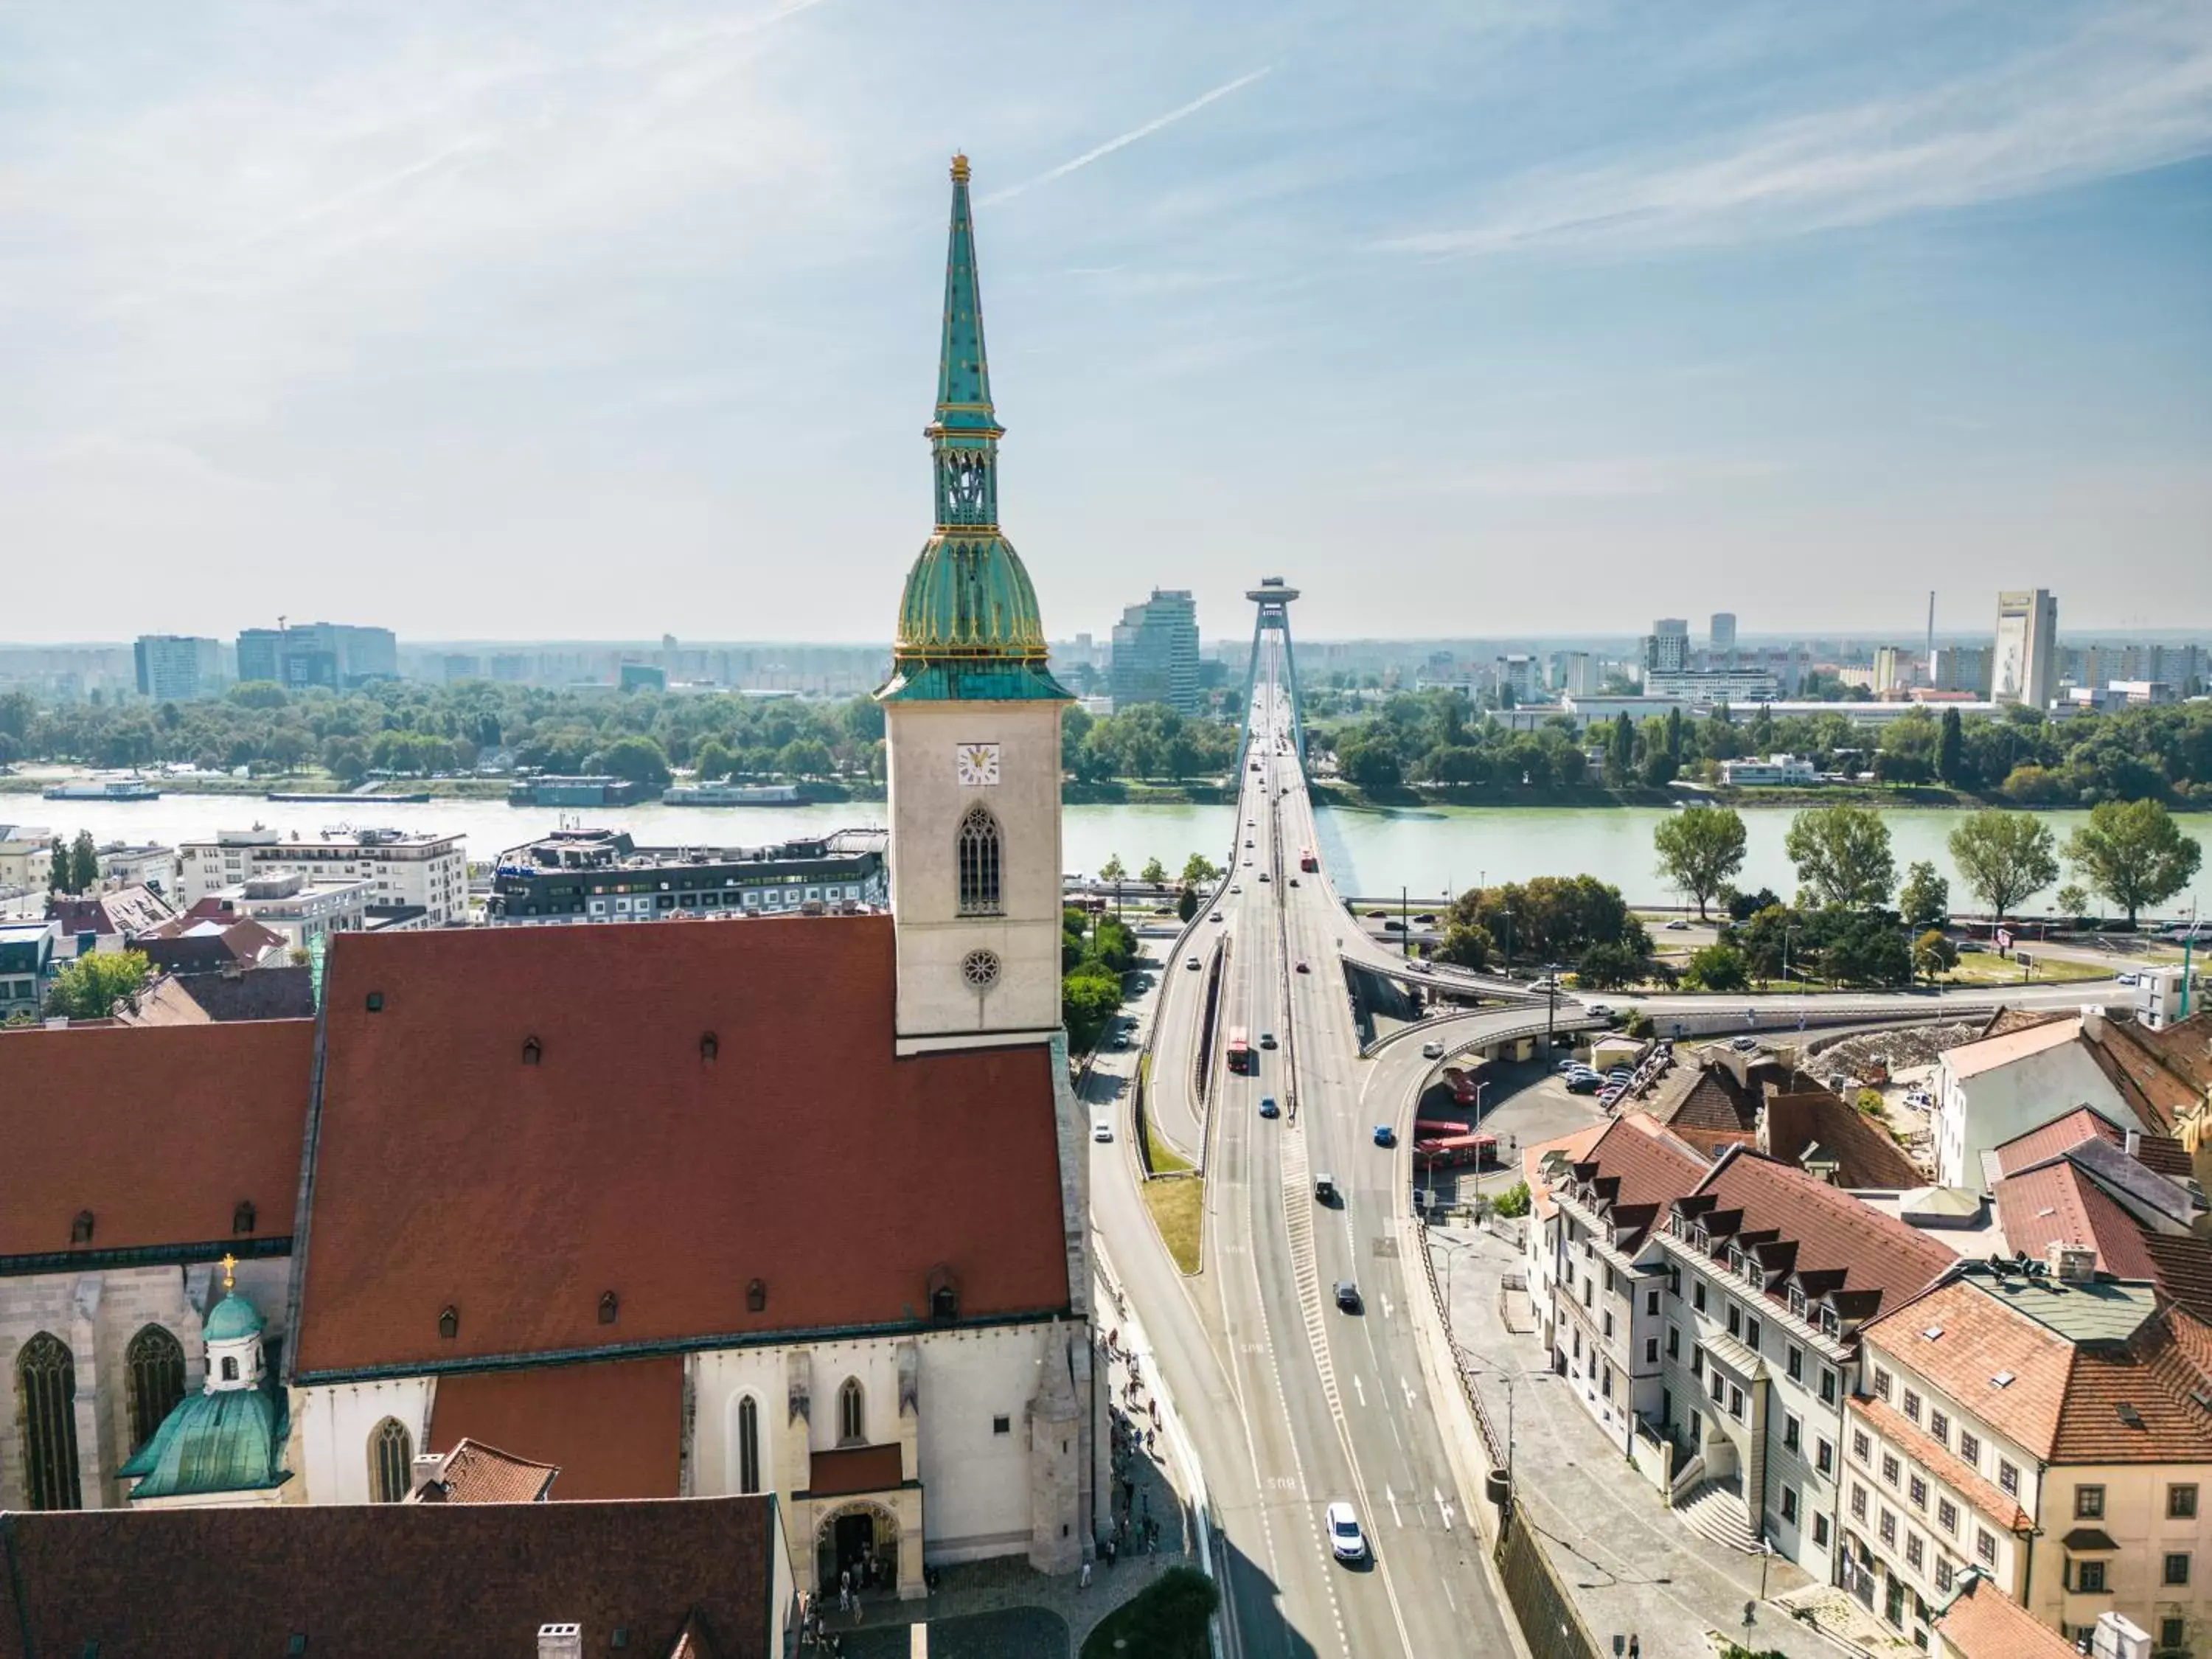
point(2120, 97)
point(1128, 137)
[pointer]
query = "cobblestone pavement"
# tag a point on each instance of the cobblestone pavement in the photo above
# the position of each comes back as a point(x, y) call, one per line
point(1631, 1566)
point(1001, 1609)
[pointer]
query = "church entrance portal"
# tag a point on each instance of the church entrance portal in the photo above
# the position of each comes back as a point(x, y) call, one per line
point(862, 1540)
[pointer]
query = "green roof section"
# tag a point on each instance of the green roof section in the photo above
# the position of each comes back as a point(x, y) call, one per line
point(234, 1319)
point(231, 1440)
point(2102, 1311)
point(969, 627)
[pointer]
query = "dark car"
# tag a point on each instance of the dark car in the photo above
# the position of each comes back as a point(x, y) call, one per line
point(1267, 1106)
point(1347, 1296)
point(1385, 1135)
point(1266, 1039)
point(1426, 920)
point(1304, 968)
point(1585, 1083)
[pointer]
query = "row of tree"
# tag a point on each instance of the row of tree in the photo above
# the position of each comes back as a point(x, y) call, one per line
point(2132, 852)
point(1433, 738)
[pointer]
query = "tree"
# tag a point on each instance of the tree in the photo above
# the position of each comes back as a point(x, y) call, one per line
point(712, 760)
point(1933, 955)
point(2134, 853)
point(1950, 749)
point(1719, 968)
point(1608, 967)
point(1699, 849)
point(346, 759)
point(1199, 871)
point(1469, 945)
point(2072, 901)
point(1842, 855)
point(1186, 903)
point(1088, 997)
point(90, 987)
point(1115, 872)
point(806, 757)
point(1154, 874)
point(1863, 948)
point(1512, 1202)
point(1925, 899)
point(1621, 750)
point(58, 866)
point(2005, 857)
point(84, 863)
point(639, 759)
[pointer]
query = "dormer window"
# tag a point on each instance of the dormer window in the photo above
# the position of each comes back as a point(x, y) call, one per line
point(1797, 1300)
point(449, 1322)
point(81, 1228)
point(532, 1051)
point(756, 1296)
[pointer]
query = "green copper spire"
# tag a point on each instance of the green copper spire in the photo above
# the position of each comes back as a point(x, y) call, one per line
point(969, 627)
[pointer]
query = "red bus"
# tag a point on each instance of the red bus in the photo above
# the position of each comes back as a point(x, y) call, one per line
point(1446, 1150)
point(1463, 1080)
point(1240, 1051)
point(1427, 1128)
point(1307, 861)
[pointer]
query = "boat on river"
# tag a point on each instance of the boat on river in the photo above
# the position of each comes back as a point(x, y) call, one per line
point(102, 789)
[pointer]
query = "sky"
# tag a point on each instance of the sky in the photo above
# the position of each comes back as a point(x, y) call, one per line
point(487, 320)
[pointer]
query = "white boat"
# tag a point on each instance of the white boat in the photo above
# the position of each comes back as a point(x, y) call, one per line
point(730, 794)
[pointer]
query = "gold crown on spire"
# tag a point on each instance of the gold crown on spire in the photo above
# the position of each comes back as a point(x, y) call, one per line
point(960, 168)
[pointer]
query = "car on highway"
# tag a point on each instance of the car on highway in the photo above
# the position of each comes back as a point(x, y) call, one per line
point(1678, 926)
point(1266, 1039)
point(1376, 916)
point(1247, 841)
point(1235, 887)
point(1304, 968)
point(1425, 919)
point(1433, 1048)
point(1191, 963)
point(1385, 1135)
point(1324, 1189)
point(1267, 1106)
point(1393, 926)
point(1601, 1010)
point(1346, 1541)
point(1294, 881)
point(1347, 1296)
point(1546, 984)
point(1216, 916)
point(1263, 875)
point(1102, 1130)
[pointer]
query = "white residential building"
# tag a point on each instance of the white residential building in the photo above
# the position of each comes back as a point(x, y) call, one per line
point(290, 902)
point(400, 867)
point(1988, 1092)
point(1771, 769)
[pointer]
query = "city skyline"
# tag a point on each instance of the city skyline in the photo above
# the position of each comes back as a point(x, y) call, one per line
point(1683, 302)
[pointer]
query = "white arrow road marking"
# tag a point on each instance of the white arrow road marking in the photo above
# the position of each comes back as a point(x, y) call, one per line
point(1442, 1507)
point(1359, 1387)
point(1396, 1519)
point(1408, 1388)
point(1386, 1307)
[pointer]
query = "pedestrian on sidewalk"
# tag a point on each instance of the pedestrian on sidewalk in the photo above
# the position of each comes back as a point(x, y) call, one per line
point(1084, 1582)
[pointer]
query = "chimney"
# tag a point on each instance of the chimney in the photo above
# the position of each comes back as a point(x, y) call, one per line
point(2134, 1144)
point(2069, 1263)
point(560, 1642)
point(429, 1468)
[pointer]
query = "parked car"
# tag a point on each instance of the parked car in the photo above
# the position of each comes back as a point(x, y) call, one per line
point(1267, 1106)
point(1121, 1041)
point(1347, 1296)
point(1566, 1067)
point(1585, 1083)
point(1385, 1135)
point(1743, 1045)
point(1345, 1540)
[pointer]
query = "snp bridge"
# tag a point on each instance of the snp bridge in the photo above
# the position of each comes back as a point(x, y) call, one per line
point(1272, 624)
point(1293, 1397)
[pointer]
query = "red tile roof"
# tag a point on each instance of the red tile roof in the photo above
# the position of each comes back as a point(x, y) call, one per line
point(429, 1581)
point(474, 1473)
point(614, 1427)
point(2140, 1071)
point(1865, 1157)
point(2058, 1202)
point(2055, 1139)
point(1645, 1173)
point(160, 1132)
point(1832, 1230)
point(452, 1172)
point(1982, 1622)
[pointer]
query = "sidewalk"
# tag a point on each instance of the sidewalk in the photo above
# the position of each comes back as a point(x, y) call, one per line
point(1631, 1566)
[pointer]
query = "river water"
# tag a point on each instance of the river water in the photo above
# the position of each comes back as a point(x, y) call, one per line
point(1426, 850)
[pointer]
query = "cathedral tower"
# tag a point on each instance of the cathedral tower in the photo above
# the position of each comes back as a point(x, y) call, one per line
point(971, 720)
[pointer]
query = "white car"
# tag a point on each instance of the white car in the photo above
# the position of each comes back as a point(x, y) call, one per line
point(1191, 963)
point(1346, 1541)
point(1432, 1049)
point(1102, 1130)
point(1235, 887)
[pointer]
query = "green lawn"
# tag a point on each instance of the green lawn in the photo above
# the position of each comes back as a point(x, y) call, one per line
point(1992, 969)
point(1178, 1207)
point(1165, 1160)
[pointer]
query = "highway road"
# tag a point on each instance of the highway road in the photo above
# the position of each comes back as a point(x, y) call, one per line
point(1291, 1401)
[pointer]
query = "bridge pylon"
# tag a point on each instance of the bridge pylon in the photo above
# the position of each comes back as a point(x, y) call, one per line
point(1273, 597)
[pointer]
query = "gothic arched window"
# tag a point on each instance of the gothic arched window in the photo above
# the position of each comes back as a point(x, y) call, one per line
point(155, 1360)
point(391, 1461)
point(748, 1463)
point(45, 1402)
point(852, 1414)
point(978, 858)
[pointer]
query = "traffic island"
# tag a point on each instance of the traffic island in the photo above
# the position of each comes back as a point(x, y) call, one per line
point(1177, 1205)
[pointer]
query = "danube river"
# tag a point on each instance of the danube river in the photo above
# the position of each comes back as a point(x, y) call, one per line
point(1369, 852)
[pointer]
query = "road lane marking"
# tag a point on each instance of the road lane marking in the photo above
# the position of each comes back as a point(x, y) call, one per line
point(1408, 1388)
point(1386, 1311)
point(1444, 1508)
point(1396, 1519)
point(1360, 1389)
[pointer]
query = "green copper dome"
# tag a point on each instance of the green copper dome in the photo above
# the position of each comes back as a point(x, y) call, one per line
point(968, 625)
point(231, 1440)
point(234, 1317)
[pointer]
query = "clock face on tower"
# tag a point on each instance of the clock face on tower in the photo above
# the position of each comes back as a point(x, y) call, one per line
point(976, 765)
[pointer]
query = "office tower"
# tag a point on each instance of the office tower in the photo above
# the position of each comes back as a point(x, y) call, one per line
point(1667, 647)
point(1722, 631)
point(1155, 652)
point(176, 668)
point(2024, 667)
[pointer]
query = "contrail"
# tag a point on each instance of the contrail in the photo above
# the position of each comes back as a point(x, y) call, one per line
point(1128, 137)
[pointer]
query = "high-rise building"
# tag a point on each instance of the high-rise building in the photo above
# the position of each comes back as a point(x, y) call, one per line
point(177, 668)
point(332, 655)
point(1960, 668)
point(1574, 673)
point(2025, 666)
point(1892, 670)
point(1722, 631)
point(1155, 652)
point(1667, 647)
